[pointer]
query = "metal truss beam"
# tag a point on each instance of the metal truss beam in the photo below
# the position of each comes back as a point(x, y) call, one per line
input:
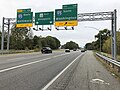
point(98, 16)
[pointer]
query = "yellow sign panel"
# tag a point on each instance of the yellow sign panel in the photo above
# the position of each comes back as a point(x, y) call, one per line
point(66, 23)
point(19, 10)
point(24, 25)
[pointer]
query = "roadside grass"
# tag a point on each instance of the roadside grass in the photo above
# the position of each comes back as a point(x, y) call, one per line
point(59, 50)
point(5, 52)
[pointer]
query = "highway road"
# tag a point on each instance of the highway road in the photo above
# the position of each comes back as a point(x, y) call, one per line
point(32, 71)
point(56, 71)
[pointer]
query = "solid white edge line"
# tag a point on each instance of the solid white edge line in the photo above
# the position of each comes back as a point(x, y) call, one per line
point(26, 64)
point(56, 77)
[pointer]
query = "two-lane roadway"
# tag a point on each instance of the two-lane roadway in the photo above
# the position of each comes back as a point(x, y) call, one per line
point(32, 71)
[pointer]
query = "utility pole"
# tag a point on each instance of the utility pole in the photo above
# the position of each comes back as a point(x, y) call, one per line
point(100, 43)
point(6, 25)
point(2, 42)
point(115, 28)
point(8, 37)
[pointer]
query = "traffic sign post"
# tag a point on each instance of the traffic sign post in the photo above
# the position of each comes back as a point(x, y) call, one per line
point(24, 18)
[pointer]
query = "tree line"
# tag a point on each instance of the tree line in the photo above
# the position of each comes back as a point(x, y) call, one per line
point(23, 39)
point(70, 45)
point(105, 42)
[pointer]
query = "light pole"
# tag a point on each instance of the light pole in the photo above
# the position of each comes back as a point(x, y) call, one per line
point(97, 30)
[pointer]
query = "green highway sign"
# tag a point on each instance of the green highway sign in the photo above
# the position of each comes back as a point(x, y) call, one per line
point(44, 18)
point(24, 19)
point(65, 14)
point(70, 6)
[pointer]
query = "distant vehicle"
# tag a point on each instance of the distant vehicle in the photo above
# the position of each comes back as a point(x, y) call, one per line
point(74, 49)
point(46, 50)
point(82, 50)
point(67, 50)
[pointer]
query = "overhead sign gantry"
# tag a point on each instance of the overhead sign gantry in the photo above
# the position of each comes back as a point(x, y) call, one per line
point(67, 16)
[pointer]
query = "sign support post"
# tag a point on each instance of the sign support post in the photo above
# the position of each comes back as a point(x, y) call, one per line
point(8, 37)
point(2, 42)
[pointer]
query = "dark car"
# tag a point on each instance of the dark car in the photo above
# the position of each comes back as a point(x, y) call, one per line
point(74, 49)
point(67, 50)
point(82, 50)
point(46, 50)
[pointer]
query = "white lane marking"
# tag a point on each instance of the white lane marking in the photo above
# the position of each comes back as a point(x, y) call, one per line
point(55, 78)
point(99, 81)
point(22, 65)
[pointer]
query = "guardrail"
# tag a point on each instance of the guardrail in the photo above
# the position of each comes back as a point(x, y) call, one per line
point(113, 63)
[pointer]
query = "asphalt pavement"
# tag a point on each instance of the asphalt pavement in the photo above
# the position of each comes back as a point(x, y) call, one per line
point(32, 71)
point(56, 71)
point(86, 73)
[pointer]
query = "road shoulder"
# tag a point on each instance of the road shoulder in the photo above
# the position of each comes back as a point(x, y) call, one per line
point(92, 75)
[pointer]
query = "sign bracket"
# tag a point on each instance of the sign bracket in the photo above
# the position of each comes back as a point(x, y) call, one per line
point(65, 28)
point(43, 29)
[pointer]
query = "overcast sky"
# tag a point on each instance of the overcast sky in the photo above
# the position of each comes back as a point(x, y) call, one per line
point(81, 35)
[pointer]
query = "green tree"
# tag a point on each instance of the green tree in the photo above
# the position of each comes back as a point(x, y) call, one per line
point(105, 34)
point(118, 43)
point(51, 42)
point(63, 46)
point(0, 38)
point(71, 45)
point(28, 43)
point(22, 38)
point(57, 42)
point(17, 38)
point(48, 41)
point(44, 42)
point(90, 46)
point(107, 44)
point(37, 42)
